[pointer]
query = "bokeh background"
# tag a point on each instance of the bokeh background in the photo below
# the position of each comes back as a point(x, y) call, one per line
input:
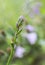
point(31, 42)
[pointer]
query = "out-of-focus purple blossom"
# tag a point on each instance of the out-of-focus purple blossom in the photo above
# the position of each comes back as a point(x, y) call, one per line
point(19, 52)
point(31, 37)
point(35, 9)
point(30, 28)
point(32, 8)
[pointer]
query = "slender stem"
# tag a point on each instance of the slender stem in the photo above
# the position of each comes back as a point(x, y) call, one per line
point(10, 57)
point(11, 54)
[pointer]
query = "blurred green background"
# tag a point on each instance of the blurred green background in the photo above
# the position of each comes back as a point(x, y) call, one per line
point(10, 11)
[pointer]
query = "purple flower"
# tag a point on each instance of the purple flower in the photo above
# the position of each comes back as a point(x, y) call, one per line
point(30, 28)
point(31, 37)
point(35, 9)
point(32, 8)
point(19, 52)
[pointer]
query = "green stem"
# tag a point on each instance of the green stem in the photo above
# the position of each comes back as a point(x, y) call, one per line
point(10, 57)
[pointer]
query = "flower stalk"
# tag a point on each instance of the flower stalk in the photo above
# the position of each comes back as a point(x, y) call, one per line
point(18, 31)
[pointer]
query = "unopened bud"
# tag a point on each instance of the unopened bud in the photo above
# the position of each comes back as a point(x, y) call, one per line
point(20, 21)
